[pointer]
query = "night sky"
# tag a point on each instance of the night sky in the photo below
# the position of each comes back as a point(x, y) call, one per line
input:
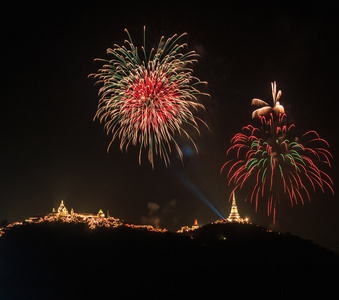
point(51, 149)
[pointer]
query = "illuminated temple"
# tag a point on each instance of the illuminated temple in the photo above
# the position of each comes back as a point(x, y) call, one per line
point(63, 212)
point(63, 215)
point(92, 220)
point(233, 217)
point(188, 228)
point(234, 214)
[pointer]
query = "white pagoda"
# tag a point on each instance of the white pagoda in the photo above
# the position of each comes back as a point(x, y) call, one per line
point(234, 214)
point(62, 210)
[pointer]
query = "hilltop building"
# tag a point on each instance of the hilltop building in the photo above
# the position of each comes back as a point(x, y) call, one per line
point(92, 220)
point(63, 212)
point(62, 215)
point(234, 214)
point(233, 217)
point(187, 228)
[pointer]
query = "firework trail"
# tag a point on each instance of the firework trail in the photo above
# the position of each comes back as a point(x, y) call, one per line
point(273, 163)
point(146, 97)
point(264, 106)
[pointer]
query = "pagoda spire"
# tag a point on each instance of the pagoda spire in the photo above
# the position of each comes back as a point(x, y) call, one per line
point(62, 210)
point(234, 214)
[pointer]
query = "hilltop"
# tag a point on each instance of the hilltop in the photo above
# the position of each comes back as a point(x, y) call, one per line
point(70, 261)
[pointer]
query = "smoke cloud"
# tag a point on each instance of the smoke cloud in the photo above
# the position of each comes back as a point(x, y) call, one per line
point(157, 216)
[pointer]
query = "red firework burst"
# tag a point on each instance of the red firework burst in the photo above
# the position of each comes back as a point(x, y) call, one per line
point(273, 163)
point(146, 100)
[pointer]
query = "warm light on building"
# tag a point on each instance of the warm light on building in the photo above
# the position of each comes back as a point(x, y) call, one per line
point(187, 228)
point(92, 220)
point(234, 215)
point(62, 210)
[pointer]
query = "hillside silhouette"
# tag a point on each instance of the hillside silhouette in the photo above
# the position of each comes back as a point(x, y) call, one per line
point(70, 261)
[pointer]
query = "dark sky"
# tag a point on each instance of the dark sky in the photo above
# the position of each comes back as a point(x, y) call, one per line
point(52, 150)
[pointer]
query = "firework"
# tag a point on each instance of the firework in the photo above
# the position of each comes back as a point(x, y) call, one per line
point(273, 163)
point(147, 97)
point(264, 107)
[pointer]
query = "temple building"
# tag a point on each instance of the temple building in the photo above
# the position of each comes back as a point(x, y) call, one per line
point(234, 214)
point(62, 215)
point(187, 228)
point(63, 211)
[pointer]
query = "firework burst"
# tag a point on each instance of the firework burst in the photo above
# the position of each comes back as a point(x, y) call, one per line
point(273, 163)
point(146, 98)
point(264, 107)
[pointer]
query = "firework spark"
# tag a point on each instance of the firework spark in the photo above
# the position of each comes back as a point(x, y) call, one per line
point(264, 106)
point(273, 163)
point(146, 98)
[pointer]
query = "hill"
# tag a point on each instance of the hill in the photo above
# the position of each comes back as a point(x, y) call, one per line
point(70, 261)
